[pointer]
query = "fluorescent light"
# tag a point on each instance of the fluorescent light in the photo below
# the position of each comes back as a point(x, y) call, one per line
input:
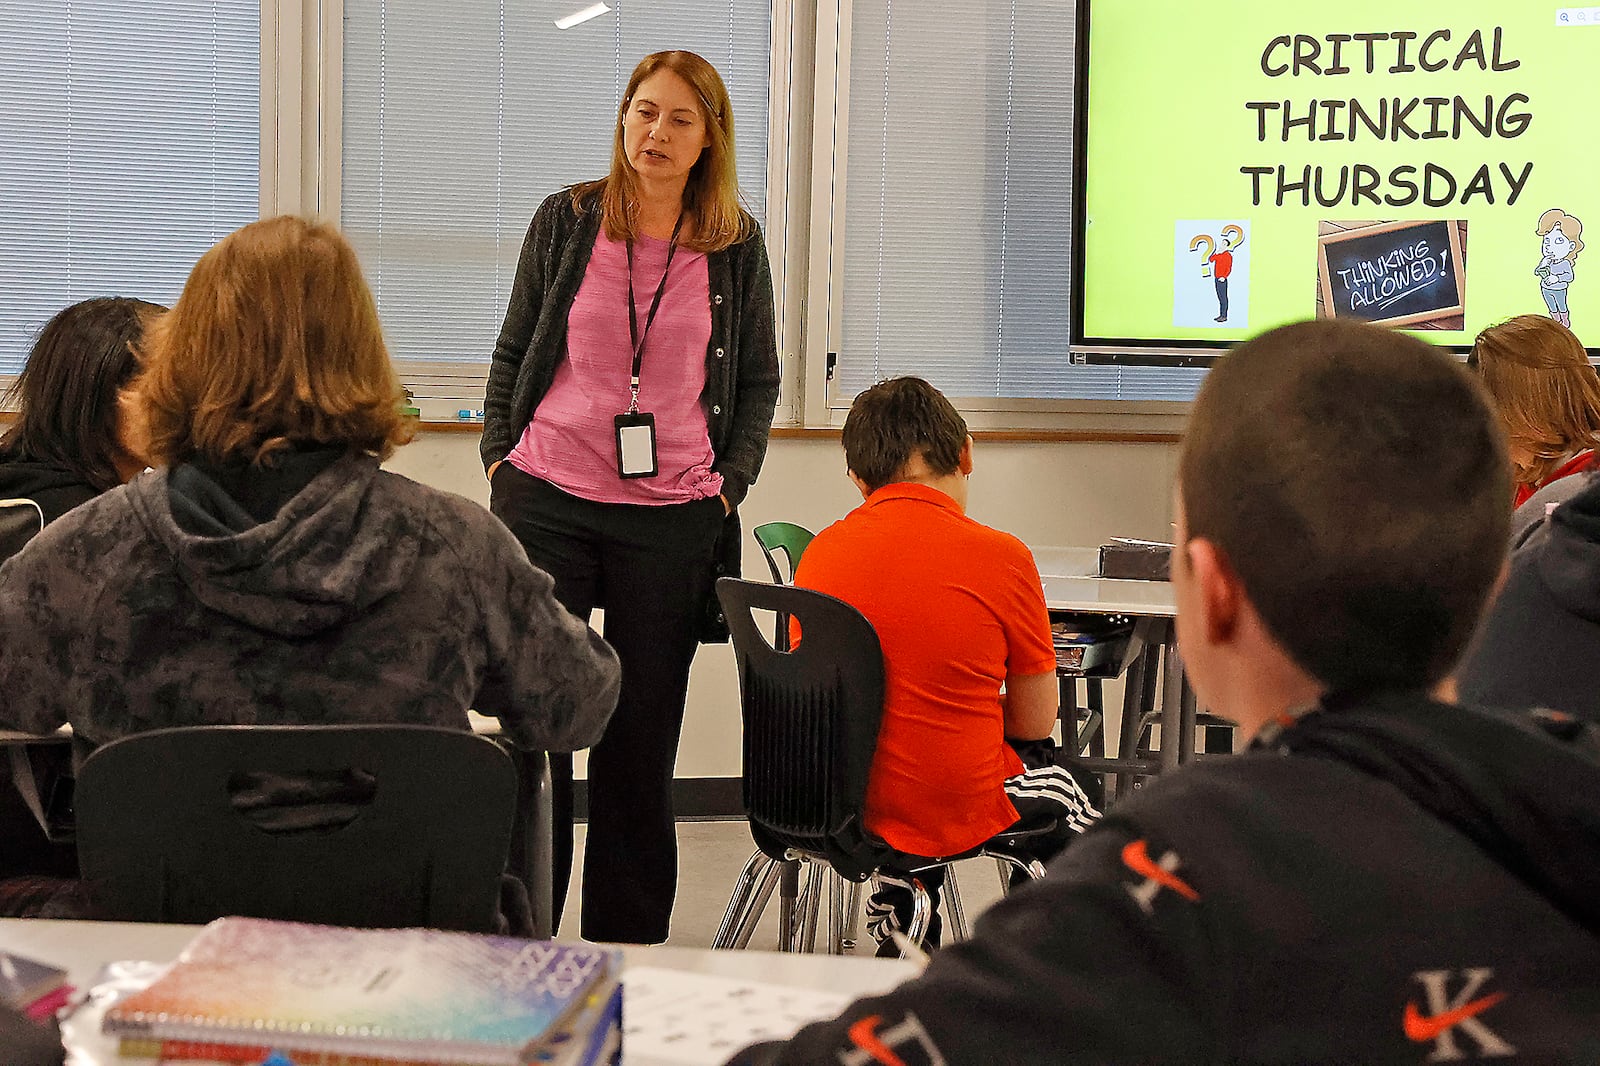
point(577, 18)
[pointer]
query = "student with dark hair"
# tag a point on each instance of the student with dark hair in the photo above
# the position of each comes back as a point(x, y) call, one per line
point(1382, 876)
point(959, 611)
point(67, 444)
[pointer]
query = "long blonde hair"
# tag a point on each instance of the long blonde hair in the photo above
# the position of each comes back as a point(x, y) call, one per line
point(1545, 390)
point(712, 194)
point(274, 341)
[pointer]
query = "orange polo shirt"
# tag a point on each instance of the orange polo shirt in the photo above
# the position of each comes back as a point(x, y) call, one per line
point(957, 607)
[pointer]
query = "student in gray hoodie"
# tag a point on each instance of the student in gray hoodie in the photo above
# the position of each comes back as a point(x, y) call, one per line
point(268, 571)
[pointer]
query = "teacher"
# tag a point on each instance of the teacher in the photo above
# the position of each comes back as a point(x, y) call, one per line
point(627, 411)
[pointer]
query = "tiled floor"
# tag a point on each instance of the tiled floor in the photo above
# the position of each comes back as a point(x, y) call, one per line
point(710, 856)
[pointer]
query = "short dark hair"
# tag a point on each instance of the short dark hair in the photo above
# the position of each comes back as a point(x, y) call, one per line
point(67, 394)
point(895, 420)
point(1356, 480)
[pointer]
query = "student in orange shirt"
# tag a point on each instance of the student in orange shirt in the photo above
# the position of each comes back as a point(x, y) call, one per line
point(959, 609)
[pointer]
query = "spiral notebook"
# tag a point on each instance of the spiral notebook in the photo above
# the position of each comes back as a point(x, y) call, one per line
point(380, 994)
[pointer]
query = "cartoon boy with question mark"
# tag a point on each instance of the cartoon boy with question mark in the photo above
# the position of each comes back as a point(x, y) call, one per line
point(1221, 264)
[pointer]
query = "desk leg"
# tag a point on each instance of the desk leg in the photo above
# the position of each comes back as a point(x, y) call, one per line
point(1191, 718)
point(1177, 705)
point(1133, 708)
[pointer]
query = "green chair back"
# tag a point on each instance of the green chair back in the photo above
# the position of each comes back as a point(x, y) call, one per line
point(788, 538)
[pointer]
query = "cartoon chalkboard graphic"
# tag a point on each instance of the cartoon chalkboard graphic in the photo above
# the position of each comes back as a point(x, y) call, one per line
point(1411, 273)
point(1211, 274)
point(1561, 239)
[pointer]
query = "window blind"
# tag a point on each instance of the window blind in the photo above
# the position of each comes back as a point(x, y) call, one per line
point(460, 118)
point(129, 144)
point(957, 257)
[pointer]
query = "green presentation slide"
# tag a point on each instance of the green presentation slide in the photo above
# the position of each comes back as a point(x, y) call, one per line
point(1426, 165)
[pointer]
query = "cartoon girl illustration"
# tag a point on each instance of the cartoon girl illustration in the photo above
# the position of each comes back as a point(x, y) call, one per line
point(1563, 240)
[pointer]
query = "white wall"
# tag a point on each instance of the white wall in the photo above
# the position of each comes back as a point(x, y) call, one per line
point(1056, 494)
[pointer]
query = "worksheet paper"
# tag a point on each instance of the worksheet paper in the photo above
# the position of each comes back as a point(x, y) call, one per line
point(670, 1016)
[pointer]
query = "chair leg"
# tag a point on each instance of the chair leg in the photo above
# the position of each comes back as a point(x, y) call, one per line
point(1032, 867)
point(952, 906)
point(921, 911)
point(788, 904)
point(835, 915)
point(758, 906)
point(812, 903)
point(852, 916)
point(743, 890)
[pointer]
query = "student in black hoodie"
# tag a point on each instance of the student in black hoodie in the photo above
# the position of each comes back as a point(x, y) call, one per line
point(1539, 645)
point(67, 445)
point(1382, 877)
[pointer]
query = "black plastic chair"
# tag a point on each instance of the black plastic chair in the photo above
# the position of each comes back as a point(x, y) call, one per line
point(20, 522)
point(161, 837)
point(811, 718)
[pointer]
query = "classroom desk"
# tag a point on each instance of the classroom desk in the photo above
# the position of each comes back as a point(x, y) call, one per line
point(1070, 587)
point(531, 853)
point(82, 948)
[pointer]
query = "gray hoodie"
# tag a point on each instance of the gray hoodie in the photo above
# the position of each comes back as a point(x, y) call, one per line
point(365, 598)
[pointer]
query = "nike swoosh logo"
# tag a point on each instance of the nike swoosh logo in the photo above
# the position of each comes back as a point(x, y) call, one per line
point(1421, 1028)
point(1136, 856)
point(863, 1034)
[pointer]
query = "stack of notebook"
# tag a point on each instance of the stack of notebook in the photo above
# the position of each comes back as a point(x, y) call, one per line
point(247, 990)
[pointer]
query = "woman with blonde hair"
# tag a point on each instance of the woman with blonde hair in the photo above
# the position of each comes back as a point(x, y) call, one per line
point(268, 571)
point(1547, 395)
point(627, 410)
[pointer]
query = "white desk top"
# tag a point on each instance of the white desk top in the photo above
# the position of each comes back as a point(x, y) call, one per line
point(84, 947)
point(1069, 585)
point(482, 724)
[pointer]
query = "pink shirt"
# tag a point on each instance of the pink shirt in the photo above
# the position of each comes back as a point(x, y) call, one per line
point(571, 441)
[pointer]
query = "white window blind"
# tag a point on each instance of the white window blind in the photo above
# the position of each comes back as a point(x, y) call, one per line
point(129, 144)
point(957, 258)
point(460, 118)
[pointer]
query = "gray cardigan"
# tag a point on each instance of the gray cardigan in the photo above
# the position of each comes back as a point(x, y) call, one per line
point(741, 358)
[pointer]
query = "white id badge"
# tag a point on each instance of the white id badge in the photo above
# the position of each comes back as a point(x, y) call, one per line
point(636, 445)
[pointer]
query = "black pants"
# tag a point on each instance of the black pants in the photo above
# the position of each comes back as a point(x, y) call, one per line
point(1222, 297)
point(649, 569)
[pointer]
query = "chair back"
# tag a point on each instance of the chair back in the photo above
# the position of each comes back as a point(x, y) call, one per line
point(20, 522)
point(420, 838)
point(811, 718)
point(787, 538)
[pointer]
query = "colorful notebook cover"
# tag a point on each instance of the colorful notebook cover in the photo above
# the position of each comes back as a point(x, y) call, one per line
point(406, 994)
point(590, 1037)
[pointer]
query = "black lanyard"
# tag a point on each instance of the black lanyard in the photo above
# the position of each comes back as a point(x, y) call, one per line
point(655, 305)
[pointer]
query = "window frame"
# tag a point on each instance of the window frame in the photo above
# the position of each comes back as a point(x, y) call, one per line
point(824, 404)
point(302, 93)
point(440, 385)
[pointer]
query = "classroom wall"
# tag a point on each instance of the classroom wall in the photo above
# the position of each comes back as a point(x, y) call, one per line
point(1056, 494)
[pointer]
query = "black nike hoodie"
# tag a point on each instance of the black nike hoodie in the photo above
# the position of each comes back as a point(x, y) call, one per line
point(1384, 880)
